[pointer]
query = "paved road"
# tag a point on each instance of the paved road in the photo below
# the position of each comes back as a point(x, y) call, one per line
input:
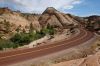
point(7, 58)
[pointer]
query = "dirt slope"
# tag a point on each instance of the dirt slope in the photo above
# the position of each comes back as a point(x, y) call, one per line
point(92, 60)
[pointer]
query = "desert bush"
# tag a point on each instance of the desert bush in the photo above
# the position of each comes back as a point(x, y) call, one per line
point(48, 30)
point(21, 38)
point(25, 38)
point(7, 44)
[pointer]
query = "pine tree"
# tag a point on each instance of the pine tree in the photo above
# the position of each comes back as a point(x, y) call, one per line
point(31, 28)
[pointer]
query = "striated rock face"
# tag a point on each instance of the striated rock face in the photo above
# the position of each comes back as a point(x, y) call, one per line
point(18, 19)
point(33, 18)
point(92, 60)
point(22, 21)
point(55, 18)
point(94, 21)
point(91, 23)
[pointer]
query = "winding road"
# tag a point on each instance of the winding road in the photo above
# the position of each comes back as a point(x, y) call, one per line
point(10, 57)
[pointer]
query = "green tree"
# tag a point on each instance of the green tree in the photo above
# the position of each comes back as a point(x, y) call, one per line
point(7, 26)
point(31, 28)
point(6, 44)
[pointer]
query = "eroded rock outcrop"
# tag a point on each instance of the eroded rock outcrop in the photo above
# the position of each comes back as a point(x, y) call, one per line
point(18, 19)
point(55, 18)
point(92, 60)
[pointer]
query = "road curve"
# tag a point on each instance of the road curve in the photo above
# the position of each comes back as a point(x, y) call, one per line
point(7, 58)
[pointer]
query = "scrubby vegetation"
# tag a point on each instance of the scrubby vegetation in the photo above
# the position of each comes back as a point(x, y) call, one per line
point(7, 44)
point(23, 38)
point(48, 30)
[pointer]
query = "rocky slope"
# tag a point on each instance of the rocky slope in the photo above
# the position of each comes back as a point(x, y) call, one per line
point(50, 16)
point(13, 21)
point(92, 23)
point(55, 18)
point(92, 60)
point(33, 18)
point(18, 19)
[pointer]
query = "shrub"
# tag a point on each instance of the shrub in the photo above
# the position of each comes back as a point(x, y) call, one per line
point(6, 44)
point(48, 30)
point(25, 38)
point(21, 38)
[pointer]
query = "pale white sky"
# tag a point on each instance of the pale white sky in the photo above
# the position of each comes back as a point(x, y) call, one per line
point(38, 5)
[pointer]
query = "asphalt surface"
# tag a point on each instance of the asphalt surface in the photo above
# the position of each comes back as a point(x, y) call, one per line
point(11, 57)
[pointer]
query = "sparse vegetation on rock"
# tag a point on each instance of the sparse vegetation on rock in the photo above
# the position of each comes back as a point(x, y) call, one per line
point(23, 38)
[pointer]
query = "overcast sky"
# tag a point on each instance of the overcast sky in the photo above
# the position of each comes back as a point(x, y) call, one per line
point(76, 7)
